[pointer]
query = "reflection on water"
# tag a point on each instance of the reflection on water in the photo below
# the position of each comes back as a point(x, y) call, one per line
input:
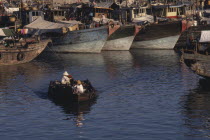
point(153, 57)
point(115, 60)
point(15, 78)
point(80, 66)
point(197, 109)
point(75, 111)
point(13, 72)
point(142, 93)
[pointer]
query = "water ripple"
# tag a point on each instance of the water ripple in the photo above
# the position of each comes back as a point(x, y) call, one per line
point(145, 94)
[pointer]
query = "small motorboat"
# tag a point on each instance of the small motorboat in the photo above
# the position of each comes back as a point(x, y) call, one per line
point(59, 91)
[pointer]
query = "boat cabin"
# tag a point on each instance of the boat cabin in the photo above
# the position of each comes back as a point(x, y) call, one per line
point(166, 11)
point(139, 12)
point(9, 8)
point(87, 14)
point(126, 14)
point(58, 14)
point(28, 16)
point(55, 15)
point(84, 13)
point(33, 15)
point(99, 11)
point(142, 15)
point(172, 11)
point(189, 9)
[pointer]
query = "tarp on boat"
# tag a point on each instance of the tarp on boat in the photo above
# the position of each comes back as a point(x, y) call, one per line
point(40, 26)
point(7, 32)
point(205, 36)
point(69, 22)
point(176, 6)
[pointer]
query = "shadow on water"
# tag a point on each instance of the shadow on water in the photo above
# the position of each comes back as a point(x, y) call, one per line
point(196, 111)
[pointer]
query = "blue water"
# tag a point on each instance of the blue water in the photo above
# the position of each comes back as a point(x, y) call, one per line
point(143, 94)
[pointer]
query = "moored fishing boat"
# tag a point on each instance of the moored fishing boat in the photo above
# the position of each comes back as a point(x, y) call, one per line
point(197, 57)
point(66, 92)
point(158, 36)
point(78, 40)
point(189, 28)
point(167, 26)
point(122, 38)
point(83, 41)
point(14, 51)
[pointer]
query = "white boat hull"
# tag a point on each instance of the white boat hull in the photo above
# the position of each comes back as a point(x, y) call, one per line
point(81, 41)
point(162, 43)
point(86, 47)
point(122, 44)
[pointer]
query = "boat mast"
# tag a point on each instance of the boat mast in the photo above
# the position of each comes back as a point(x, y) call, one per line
point(20, 11)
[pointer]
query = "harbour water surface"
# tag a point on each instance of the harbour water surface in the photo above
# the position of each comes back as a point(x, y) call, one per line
point(143, 94)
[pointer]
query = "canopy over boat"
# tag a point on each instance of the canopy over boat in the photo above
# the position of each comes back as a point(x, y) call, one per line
point(40, 26)
point(205, 36)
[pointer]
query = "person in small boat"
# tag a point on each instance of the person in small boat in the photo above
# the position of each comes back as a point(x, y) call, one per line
point(66, 79)
point(78, 88)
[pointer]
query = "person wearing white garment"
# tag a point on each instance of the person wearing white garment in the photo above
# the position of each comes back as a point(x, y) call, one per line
point(66, 79)
point(79, 87)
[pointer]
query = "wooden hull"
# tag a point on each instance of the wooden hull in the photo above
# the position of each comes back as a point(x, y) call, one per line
point(121, 44)
point(86, 47)
point(17, 55)
point(75, 108)
point(201, 68)
point(158, 36)
point(68, 96)
point(58, 91)
point(84, 97)
point(162, 43)
point(81, 41)
point(157, 31)
point(121, 39)
point(199, 63)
